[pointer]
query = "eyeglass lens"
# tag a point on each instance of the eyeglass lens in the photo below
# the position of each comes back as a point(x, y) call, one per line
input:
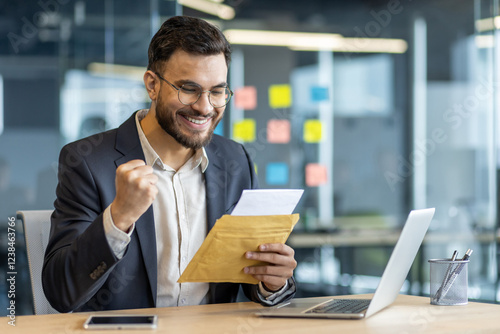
point(218, 97)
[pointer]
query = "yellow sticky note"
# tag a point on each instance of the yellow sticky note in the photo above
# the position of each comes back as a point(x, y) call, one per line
point(244, 130)
point(221, 257)
point(312, 131)
point(280, 96)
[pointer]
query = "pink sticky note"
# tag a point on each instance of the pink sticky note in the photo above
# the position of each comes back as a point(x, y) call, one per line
point(315, 175)
point(278, 131)
point(245, 98)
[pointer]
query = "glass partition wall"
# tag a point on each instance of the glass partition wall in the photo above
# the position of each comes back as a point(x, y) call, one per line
point(456, 142)
point(373, 108)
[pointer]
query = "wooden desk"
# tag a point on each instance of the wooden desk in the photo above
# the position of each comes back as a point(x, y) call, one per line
point(408, 315)
point(379, 237)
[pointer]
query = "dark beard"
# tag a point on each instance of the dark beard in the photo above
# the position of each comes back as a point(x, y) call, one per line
point(194, 142)
point(167, 122)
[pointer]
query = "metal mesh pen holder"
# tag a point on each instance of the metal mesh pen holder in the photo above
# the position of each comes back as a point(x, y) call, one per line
point(448, 280)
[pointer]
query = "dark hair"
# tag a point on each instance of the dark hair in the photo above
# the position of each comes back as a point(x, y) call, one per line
point(189, 34)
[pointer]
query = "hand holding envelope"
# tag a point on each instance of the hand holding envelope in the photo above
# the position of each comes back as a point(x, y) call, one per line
point(278, 265)
point(221, 257)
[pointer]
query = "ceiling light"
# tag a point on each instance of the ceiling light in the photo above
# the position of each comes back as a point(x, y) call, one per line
point(365, 45)
point(225, 12)
point(114, 70)
point(302, 41)
point(279, 38)
point(487, 24)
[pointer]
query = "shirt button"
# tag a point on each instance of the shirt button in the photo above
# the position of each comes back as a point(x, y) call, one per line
point(183, 258)
point(183, 301)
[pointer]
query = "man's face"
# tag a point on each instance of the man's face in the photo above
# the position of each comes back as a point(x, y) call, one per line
point(191, 126)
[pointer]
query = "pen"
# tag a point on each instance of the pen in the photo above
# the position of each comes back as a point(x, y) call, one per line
point(467, 255)
point(455, 274)
point(446, 276)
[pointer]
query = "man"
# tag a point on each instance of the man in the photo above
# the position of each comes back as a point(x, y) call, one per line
point(135, 203)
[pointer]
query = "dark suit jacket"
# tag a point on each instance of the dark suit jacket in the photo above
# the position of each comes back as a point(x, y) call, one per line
point(80, 271)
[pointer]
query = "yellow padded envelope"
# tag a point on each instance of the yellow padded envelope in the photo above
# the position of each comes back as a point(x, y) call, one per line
point(221, 257)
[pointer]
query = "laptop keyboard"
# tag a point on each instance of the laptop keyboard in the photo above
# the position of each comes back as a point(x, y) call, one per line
point(342, 306)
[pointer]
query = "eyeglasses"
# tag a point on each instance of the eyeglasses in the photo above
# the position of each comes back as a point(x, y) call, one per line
point(189, 94)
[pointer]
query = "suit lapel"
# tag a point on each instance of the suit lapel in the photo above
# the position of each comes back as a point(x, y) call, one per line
point(216, 181)
point(128, 143)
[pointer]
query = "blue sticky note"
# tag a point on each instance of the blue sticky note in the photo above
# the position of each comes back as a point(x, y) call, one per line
point(219, 129)
point(319, 93)
point(277, 173)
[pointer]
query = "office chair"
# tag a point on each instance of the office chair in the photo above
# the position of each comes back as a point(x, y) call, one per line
point(36, 224)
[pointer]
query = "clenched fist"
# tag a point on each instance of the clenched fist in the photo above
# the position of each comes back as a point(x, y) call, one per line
point(135, 192)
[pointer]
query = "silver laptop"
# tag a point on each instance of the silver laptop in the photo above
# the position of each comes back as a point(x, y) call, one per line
point(388, 289)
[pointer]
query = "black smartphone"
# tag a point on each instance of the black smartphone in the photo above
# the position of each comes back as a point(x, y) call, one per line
point(123, 321)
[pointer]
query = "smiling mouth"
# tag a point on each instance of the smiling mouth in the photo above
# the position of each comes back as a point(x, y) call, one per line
point(197, 121)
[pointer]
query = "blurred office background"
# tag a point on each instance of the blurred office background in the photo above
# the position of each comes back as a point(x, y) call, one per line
point(382, 106)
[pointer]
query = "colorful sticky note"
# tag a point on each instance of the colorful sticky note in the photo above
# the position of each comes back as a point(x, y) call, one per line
point(280, 96)
point(316, 175)
point(312, 131)
point(278, 131)
point(244, 130)
point(319, 93)
point(277, 173)
point(219, 129)
point(245, 98)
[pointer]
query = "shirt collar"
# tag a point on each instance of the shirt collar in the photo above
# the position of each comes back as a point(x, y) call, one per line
point(199, 158)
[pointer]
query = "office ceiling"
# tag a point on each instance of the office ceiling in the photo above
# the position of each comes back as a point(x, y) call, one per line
point(119, 30)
